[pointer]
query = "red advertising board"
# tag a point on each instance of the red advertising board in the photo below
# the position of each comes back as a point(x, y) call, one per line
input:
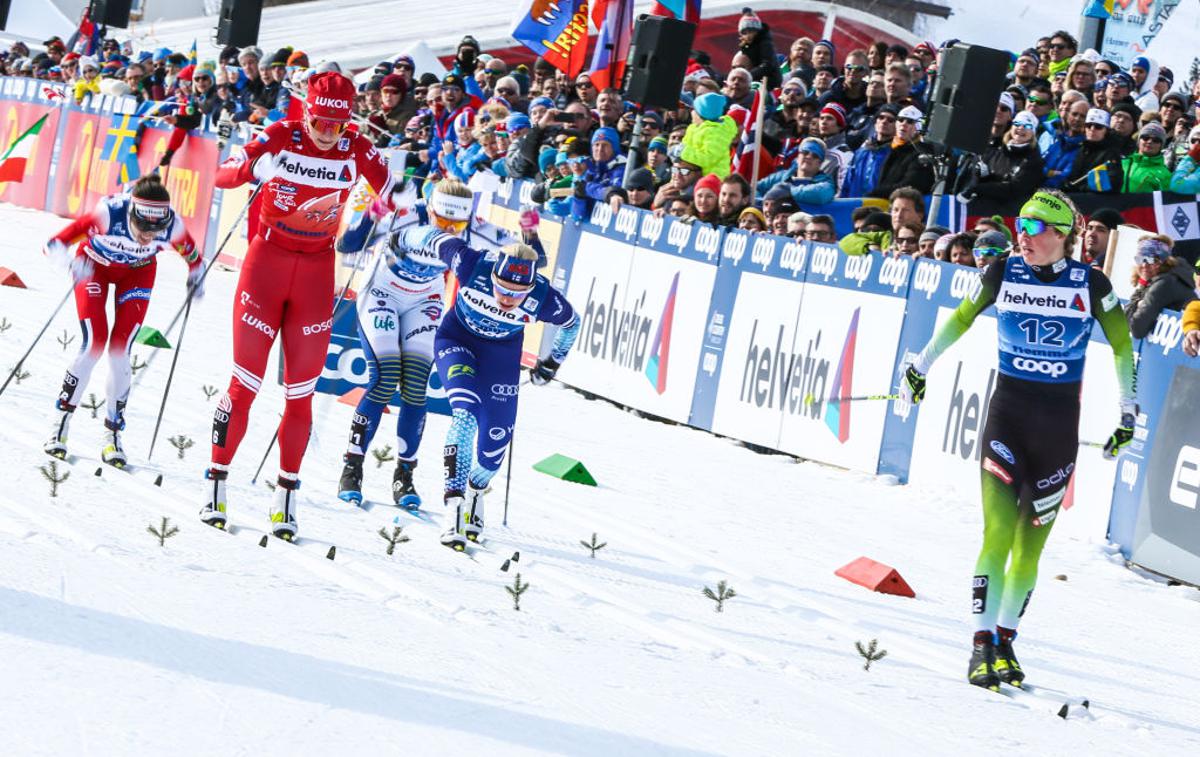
point(82, 140)
point(189, 178)
point(15, 118)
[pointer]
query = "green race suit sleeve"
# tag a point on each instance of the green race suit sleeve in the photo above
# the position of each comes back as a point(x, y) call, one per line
point(980, 298)
point(1106, 309)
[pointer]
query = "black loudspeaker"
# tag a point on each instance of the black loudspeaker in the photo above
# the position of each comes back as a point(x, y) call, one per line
point(238, 23)
point(4, 6)
point(111, 12)
point(965, 94)
point(658, 60)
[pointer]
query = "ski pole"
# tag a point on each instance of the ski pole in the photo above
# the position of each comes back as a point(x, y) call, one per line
point(508, 475)
point(17, 368)
point(862, 398)
point(187, 310)
point(337, 303)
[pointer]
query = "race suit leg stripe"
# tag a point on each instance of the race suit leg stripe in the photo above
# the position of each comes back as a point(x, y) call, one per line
point(257, 314)
point(132, 298)
point(307, 323)
point(378, 332)
point(91, 294)
point(418, 326)
point(498, 384)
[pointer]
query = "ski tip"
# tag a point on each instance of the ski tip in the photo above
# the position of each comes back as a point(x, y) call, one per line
point(1086, 704)
point(1062, 711)
point(263, 541)
point(504, 567)
point(158, 480)
point(99, 472)
point(516, 557)
point(331, 553)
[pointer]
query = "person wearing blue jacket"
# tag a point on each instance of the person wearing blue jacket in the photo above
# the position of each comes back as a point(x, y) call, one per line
point(866, 165)
point(1186, 179)
point(1059, 157)
point(804, 178)
point(607, 170)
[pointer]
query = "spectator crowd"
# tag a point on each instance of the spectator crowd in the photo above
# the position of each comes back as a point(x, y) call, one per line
point(836, 125)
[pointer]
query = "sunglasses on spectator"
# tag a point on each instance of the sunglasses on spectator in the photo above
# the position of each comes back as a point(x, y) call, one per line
point(490, 72)
point(818, 234)
point(505, 91)
point(584, 84)
point(886, 118)
point(855, 67)
point(1140, 259)
point(1035, 100)
point(1058, 46)
point(1034, 226)
point(682, 170)
point(1094, 126)
point(404, 66)
point(1148, 138)
point(577, 159)
point(1172, 105)
point(987, 252)
point(906, 241)
point(907, 120)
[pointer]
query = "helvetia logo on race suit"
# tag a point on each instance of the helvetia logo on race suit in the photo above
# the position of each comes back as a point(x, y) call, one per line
point(1040, 300)
point(320, 173)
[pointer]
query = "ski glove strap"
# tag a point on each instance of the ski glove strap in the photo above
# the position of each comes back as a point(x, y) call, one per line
point(1123, 434)
point(912, 385)
point(543, 371)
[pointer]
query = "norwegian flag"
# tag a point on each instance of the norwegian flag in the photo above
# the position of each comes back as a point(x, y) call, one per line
point(86, 39)
point(614, 21)
point(743, 159)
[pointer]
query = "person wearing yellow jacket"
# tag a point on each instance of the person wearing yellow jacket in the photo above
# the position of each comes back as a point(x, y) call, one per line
point(1191, 326)
point(89, 78)
point(707, 141)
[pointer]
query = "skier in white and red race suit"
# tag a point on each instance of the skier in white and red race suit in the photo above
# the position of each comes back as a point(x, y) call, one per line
point(286, 288)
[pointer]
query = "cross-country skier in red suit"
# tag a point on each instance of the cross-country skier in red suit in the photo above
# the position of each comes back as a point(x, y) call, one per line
point(118, 245)
point(286, 288)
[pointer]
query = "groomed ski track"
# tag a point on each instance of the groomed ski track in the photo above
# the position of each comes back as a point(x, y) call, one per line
point(213, 645)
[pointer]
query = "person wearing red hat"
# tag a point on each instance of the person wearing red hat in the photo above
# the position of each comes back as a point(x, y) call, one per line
point(286, 288)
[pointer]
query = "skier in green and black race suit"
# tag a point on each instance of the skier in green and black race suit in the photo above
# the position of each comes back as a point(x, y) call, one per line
point(1045, 305)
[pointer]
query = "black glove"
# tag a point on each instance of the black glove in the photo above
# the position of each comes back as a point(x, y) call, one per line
point(1124, 433)
point(912, 385)
point(543, 371)
point(580, 190)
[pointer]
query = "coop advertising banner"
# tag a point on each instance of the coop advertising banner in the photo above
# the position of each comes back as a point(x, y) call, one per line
point(633, 278)
point(807, 332)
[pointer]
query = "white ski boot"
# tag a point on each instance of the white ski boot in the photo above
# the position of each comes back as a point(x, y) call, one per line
point(472, 522)
point(283, 509)
point(112, 452)
point(454, 537)
point(56, 446)
point(213, 512)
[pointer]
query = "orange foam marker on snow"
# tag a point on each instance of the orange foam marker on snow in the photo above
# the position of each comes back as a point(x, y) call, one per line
point(9, 278)
point(875, 576)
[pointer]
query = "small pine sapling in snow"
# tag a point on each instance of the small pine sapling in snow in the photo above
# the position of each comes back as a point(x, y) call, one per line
point(723, 592)
point(52, 474)
point(65, 340)
point(210, 391)
point(594, 545)
point(181, 443)
point(516, 590)
point(5, 325)
point(382, 455)
point(20, 375)
point(394, 538)
point(163, 532)
point(869, 652)
point(92, 404)
point(137, 364)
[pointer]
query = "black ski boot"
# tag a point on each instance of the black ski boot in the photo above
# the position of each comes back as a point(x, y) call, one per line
point(1007, 667)
point(982, 669)
point(403, 491)
point(350, 487)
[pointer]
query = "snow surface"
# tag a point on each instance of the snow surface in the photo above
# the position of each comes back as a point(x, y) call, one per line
point(210, 645)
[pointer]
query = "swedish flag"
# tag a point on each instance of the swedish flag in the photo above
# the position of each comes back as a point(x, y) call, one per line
point(120, 146)
point(1098, 179)
point(192, 58)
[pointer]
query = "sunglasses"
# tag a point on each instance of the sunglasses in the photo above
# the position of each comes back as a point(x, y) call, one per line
point(404, 67)
point(1172, 105)
point(1148, 138)
point(1058, 46)
point(327, 126)
point(1034, 226)
point(499, 288)
point(1094, 126)
point(855, 67)
point(1141, 259)
point(1035, 100)
point(886, 119)
point(584, 84)
point(681, 170)
point(906, 241)
point(817, 234)
point(987, 252)
point(907, 120)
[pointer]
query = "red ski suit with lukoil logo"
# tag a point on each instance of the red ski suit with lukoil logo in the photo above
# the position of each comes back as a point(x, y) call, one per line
point(286, 287)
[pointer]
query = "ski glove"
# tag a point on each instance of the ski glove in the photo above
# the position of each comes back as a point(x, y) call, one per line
point(912, 385)
point(58, 253)
point(1124, 433)
point(265, 168)
point(543, 371)
point(529, 219)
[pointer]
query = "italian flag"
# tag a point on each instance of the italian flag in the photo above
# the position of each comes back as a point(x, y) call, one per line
point(12, 162)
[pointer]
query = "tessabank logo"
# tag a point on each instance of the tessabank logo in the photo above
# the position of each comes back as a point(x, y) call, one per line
point(660, 351)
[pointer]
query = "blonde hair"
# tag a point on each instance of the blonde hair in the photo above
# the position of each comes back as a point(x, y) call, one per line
point(1168, 262)
point(520, 251)
point(454, 188)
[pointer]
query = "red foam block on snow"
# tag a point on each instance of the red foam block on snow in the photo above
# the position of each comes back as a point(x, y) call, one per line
point(352, 397)
point(9, 278)
point(875, 576)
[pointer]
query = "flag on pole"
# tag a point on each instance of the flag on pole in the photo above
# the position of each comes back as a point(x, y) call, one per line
point(14, 159)
point(743, 161)
point(557, 31)
point(684, 10)
point(193, 59)
point(120, 146)
point(614, 20)
point(86, 39)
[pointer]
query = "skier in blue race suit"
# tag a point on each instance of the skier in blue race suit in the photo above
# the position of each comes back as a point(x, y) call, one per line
point(478, 356)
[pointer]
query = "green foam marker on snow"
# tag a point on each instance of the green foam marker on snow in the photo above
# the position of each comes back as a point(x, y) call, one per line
point(151, 337)
point(566, 468)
